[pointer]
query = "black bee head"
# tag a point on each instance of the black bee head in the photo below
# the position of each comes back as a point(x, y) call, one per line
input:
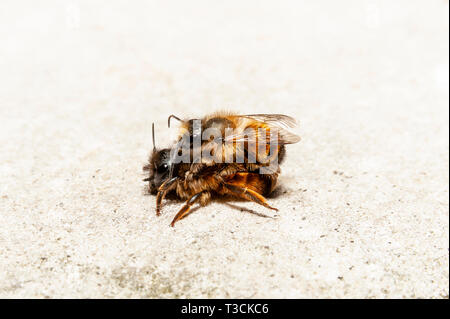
point(158, 168)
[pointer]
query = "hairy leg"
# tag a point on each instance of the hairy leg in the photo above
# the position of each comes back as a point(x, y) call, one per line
point(203, 197)
point(162, 191)
point(248, 194)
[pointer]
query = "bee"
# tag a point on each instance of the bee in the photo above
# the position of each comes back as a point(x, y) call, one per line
point(239, 159)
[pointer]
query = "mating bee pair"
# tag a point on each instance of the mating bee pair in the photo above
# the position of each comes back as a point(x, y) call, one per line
point(254, 149)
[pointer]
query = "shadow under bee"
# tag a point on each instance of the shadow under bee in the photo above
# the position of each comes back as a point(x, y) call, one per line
point(248, 210)
point(235, 207)
point(174, 200)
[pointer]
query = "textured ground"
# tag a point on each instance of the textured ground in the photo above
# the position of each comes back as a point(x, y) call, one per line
point(364, 207)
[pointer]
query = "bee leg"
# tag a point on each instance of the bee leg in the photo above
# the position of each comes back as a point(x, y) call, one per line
point(193, 170)
point(162, 191)
point(187, 207)
point(249, 194)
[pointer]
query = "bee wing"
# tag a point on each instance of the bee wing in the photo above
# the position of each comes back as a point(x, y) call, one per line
point(276, 124)
point(273, 119)
point(277, 134)
point(261, 146)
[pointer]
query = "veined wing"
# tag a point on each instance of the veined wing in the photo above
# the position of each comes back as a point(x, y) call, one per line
point(273, 119)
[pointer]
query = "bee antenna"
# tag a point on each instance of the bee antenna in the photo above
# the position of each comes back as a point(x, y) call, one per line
point(175, 117)
point(153, 136)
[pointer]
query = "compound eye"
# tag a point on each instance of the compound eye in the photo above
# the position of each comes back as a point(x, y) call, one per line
point(162, 168)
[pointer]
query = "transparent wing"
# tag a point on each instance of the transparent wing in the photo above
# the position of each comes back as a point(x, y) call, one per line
point(272, 119)
point(274, 134)
point(277, 124)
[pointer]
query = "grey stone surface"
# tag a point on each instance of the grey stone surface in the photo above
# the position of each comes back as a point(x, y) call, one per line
point(363, 197)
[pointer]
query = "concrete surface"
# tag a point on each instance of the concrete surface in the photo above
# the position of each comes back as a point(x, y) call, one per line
point(363, 198)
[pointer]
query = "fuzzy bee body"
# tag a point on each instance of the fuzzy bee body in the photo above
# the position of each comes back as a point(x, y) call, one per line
point(225, 173)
